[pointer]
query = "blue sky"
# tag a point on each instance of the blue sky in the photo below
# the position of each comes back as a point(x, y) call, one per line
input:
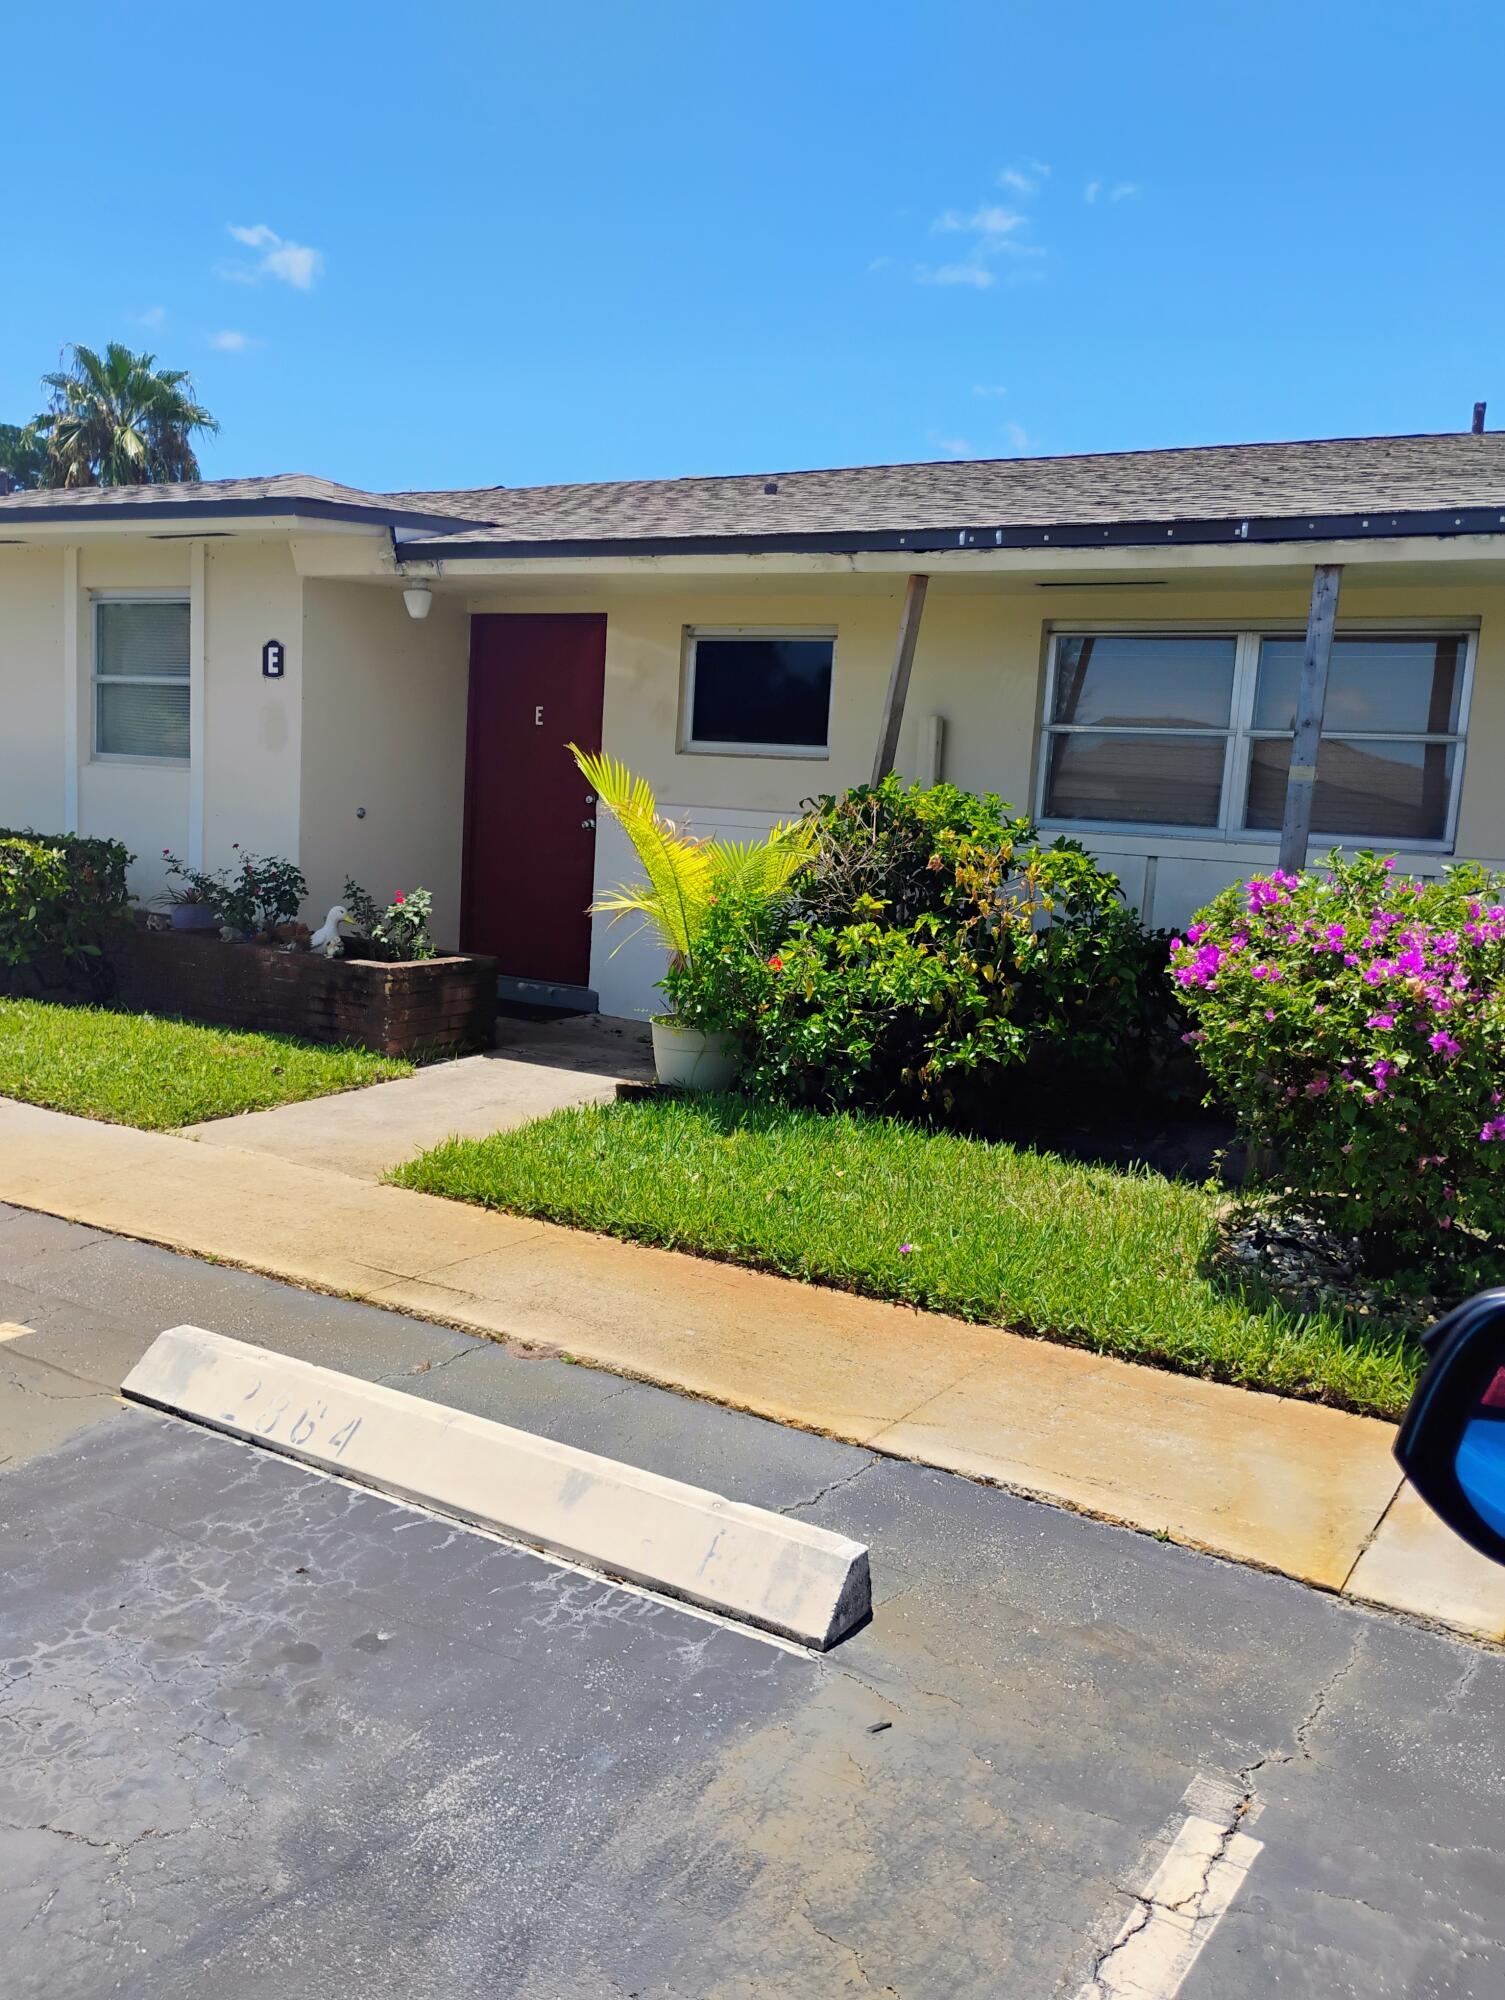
point(462, 244)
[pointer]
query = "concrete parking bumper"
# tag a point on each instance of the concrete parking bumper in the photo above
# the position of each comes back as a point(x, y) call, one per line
point(764, 1569)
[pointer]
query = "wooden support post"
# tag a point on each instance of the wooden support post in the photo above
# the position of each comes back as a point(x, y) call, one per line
point(1311, 699)
point(898, 680)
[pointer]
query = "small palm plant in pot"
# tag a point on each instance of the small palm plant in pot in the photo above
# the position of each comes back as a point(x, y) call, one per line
point(688, 879)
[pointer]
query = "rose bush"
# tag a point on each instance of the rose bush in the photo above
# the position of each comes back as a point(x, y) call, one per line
point(1354, 1021)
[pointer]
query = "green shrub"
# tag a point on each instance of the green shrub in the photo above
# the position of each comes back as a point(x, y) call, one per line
point(934, 942)
point(267, 891)
point(1354, 1020)
point(59, 898)
point(400, 932)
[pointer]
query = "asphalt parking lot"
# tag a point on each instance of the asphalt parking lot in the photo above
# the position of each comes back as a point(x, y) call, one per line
point(262, 1733)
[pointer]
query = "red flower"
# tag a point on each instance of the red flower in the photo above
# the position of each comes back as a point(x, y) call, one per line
point(776, 963)
point(399, 899)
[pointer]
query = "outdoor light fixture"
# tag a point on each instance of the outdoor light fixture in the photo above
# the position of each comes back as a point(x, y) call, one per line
point(418, 597)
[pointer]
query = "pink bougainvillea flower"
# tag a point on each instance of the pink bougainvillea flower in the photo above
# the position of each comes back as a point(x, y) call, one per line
point(1319, 1086)
point(1444, 1044)
point(906, 1249)
point(1380, 1021)
point(1492, 1129)
point(1195, 933)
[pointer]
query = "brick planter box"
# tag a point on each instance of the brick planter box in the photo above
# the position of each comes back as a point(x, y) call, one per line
point(440, 1006)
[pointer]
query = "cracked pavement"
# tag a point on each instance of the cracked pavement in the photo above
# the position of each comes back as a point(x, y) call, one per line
point(262, 1733)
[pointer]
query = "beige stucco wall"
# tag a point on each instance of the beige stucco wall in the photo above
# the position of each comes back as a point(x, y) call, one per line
point(383, 728)
point(979, 666)
point(31, 688)
point(252, 725)
point(371, 712)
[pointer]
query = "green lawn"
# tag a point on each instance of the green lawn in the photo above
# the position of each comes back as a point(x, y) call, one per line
point(142, 1069)
point(1093, 1256)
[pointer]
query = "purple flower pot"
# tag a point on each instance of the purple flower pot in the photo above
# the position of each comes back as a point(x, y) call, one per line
point(194, 917)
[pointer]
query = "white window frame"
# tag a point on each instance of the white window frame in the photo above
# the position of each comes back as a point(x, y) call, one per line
point(167, 595)
point(1240, 732)
point(693, 746)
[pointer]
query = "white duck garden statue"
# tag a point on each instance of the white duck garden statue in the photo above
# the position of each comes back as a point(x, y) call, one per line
point(327, 937)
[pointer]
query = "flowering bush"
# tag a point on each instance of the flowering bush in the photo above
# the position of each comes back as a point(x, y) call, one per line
point(266, 891)
point(1354, 1020)
point(932, 942)
point(398, 933)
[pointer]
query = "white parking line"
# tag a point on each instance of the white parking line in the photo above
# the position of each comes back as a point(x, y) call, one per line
point(1179, 1908)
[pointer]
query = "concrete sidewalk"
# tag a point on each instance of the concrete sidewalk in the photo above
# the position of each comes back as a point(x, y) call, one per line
point(536, 1067)
point(1294, 1487)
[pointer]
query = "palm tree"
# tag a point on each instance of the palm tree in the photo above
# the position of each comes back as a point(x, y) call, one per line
point(23, 455)
point(119, 420)
point(688, 875)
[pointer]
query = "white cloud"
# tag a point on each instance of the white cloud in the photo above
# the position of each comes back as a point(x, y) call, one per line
point(230, 341)
point(1018, 437)
point(1092, 190)
point(969, 273)
point(1022, 183)
point(990, 222)
point(153, 316)
point(954, 447)
point(988, 389)
point(290, 263)
point(1125, 191)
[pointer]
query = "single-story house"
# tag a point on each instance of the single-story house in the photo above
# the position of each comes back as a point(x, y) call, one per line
point(382, 684)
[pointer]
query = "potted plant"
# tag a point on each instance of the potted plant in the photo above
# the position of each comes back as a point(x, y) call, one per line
point(190, 897)
point(267, 892)
point(688, 878)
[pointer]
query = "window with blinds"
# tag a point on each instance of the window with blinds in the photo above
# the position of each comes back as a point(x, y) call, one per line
point(141, 678)
point(1192, 732)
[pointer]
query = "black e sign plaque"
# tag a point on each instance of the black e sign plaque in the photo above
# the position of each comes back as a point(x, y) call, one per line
point(273, 660)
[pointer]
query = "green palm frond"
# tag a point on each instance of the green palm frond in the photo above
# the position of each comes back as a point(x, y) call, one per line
point(677, 894)
point(760, 869)
point(116, 419)
point(687, 876)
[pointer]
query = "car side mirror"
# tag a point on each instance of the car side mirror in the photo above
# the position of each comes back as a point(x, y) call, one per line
point(1452, 1442)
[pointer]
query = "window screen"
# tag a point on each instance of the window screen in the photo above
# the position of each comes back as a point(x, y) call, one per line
point(1194, 730)
point(141, 678)
point(1390, 735)
point(1139, 727)
point(754, 691)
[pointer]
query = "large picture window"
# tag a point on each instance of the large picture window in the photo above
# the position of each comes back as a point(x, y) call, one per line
point(141, 677)
point(758, 692)
point(1191, 732)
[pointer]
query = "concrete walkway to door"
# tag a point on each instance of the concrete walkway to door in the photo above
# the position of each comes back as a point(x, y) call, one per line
point(536, 1067)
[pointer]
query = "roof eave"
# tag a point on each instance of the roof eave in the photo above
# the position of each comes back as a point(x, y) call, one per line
point(1230, 530)
point(280, 506)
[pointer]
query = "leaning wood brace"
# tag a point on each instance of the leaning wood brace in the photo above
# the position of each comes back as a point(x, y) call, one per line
point(898, 680)
point(1311, 699)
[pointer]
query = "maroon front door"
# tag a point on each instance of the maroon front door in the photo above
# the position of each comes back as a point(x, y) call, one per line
point(530, 818)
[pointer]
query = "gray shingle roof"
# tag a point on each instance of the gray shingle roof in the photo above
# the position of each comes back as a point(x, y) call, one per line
point(1272, 483)
point(1217, 482)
